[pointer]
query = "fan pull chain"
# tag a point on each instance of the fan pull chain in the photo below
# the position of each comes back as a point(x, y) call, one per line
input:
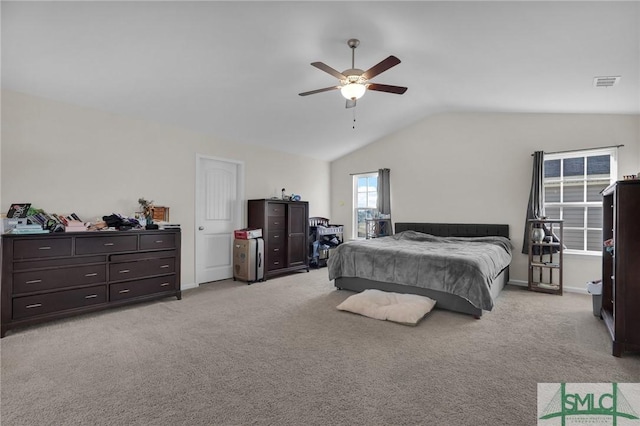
point(354, 118)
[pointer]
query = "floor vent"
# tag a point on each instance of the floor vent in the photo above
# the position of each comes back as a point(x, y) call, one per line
point(606, 81)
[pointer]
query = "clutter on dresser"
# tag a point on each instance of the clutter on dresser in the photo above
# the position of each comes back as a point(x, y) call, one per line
point(28, 229)
point(160, 214)
point(148, 211)
point(75, 226)
point(120, 223)
point(285, 197)
point(23, 218)
point(168, 225)
point(17, 220)
point(18, 210)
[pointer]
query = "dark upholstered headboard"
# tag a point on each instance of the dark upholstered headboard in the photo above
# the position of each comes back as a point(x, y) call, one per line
point(455, 229)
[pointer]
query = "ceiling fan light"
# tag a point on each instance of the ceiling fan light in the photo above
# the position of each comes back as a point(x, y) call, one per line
point(353, 90)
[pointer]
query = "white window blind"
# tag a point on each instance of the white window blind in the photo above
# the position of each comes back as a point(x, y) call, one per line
point(571, 189)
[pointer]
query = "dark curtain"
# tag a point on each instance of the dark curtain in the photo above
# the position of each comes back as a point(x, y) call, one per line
point(534, 208)
point(384, 194)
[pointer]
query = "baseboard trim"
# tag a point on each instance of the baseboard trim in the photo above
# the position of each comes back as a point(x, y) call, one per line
point(518, 283)
point(189, 286)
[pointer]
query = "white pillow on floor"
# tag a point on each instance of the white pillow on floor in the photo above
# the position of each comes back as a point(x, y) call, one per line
point(401, 308)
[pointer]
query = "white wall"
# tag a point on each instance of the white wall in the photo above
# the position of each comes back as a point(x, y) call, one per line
point(450, 167)
point(65, 158)
point(476, 168)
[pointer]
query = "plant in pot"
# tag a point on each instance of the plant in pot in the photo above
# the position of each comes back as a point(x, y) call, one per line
point(146, 207)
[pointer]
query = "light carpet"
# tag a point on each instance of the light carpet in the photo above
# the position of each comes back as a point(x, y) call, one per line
point(280, 353)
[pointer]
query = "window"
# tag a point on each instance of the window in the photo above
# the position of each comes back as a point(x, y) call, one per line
point(365, 198)
point(571, 185)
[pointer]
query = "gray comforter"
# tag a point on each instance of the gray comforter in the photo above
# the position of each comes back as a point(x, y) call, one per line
point(461, 266)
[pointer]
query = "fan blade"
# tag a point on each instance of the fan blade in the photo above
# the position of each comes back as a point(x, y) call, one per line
point(326, 89)
point(399, 90)
point(382, 66)
point(326, 68)
point(351, 103)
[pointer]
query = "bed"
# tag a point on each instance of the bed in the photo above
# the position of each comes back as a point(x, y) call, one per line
point(461, 266)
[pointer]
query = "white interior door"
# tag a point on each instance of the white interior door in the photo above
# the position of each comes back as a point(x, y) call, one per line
point(219, 210)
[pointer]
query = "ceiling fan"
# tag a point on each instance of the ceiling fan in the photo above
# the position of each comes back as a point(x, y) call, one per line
point(354, 82)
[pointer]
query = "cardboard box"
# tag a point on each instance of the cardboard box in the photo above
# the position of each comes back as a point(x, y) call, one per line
point(247, 233)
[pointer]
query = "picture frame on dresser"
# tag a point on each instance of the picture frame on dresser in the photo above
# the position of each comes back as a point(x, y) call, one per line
point(57, 275)
point(160, 213)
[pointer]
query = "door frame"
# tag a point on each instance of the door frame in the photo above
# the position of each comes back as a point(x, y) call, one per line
point(240, 215)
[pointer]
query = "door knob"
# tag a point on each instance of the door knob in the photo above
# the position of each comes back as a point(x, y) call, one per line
point(201, 228)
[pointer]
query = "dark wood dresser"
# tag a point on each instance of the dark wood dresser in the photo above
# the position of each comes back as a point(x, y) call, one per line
point(50, 276)
point(285, 229)
point(621, 268)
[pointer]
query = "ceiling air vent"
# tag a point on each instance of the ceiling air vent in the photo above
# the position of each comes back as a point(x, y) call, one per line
point(606, 81)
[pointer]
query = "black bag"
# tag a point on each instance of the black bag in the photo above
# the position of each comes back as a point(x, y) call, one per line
point(113, 221)
point(119, 222)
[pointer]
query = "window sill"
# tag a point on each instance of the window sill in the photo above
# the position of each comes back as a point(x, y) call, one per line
point(582, 253)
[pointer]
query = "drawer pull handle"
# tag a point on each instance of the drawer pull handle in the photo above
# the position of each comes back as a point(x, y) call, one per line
point(276, 263)
point(124, 271)
point(159, 241)
point(126, 290)
point(35, 305)
point(276, 223)
point(164, 266)
point(91, 296)
point(109, 244)
point(33, 281)
point(276, 236)
point(91, 275)
point(164, 284)
point(276, 249)
point(44, 248)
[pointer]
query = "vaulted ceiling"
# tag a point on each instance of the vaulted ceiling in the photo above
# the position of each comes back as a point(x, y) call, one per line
point(234, 69)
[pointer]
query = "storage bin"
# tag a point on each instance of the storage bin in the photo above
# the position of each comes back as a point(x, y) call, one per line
point(595, 289)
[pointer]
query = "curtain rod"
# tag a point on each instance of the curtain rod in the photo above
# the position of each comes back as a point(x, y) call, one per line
point(585, 149)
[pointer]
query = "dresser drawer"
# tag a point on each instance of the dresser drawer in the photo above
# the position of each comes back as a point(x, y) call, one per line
point(276, 223)
point(29, 306)
point(43, 247)
point(276, 238)
point(275, 261)
point(276, 209)
point(49, 279)
point(157, 241)
point(276, 250)
point(106, 244)
point(143, 287)
point(141, 268)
